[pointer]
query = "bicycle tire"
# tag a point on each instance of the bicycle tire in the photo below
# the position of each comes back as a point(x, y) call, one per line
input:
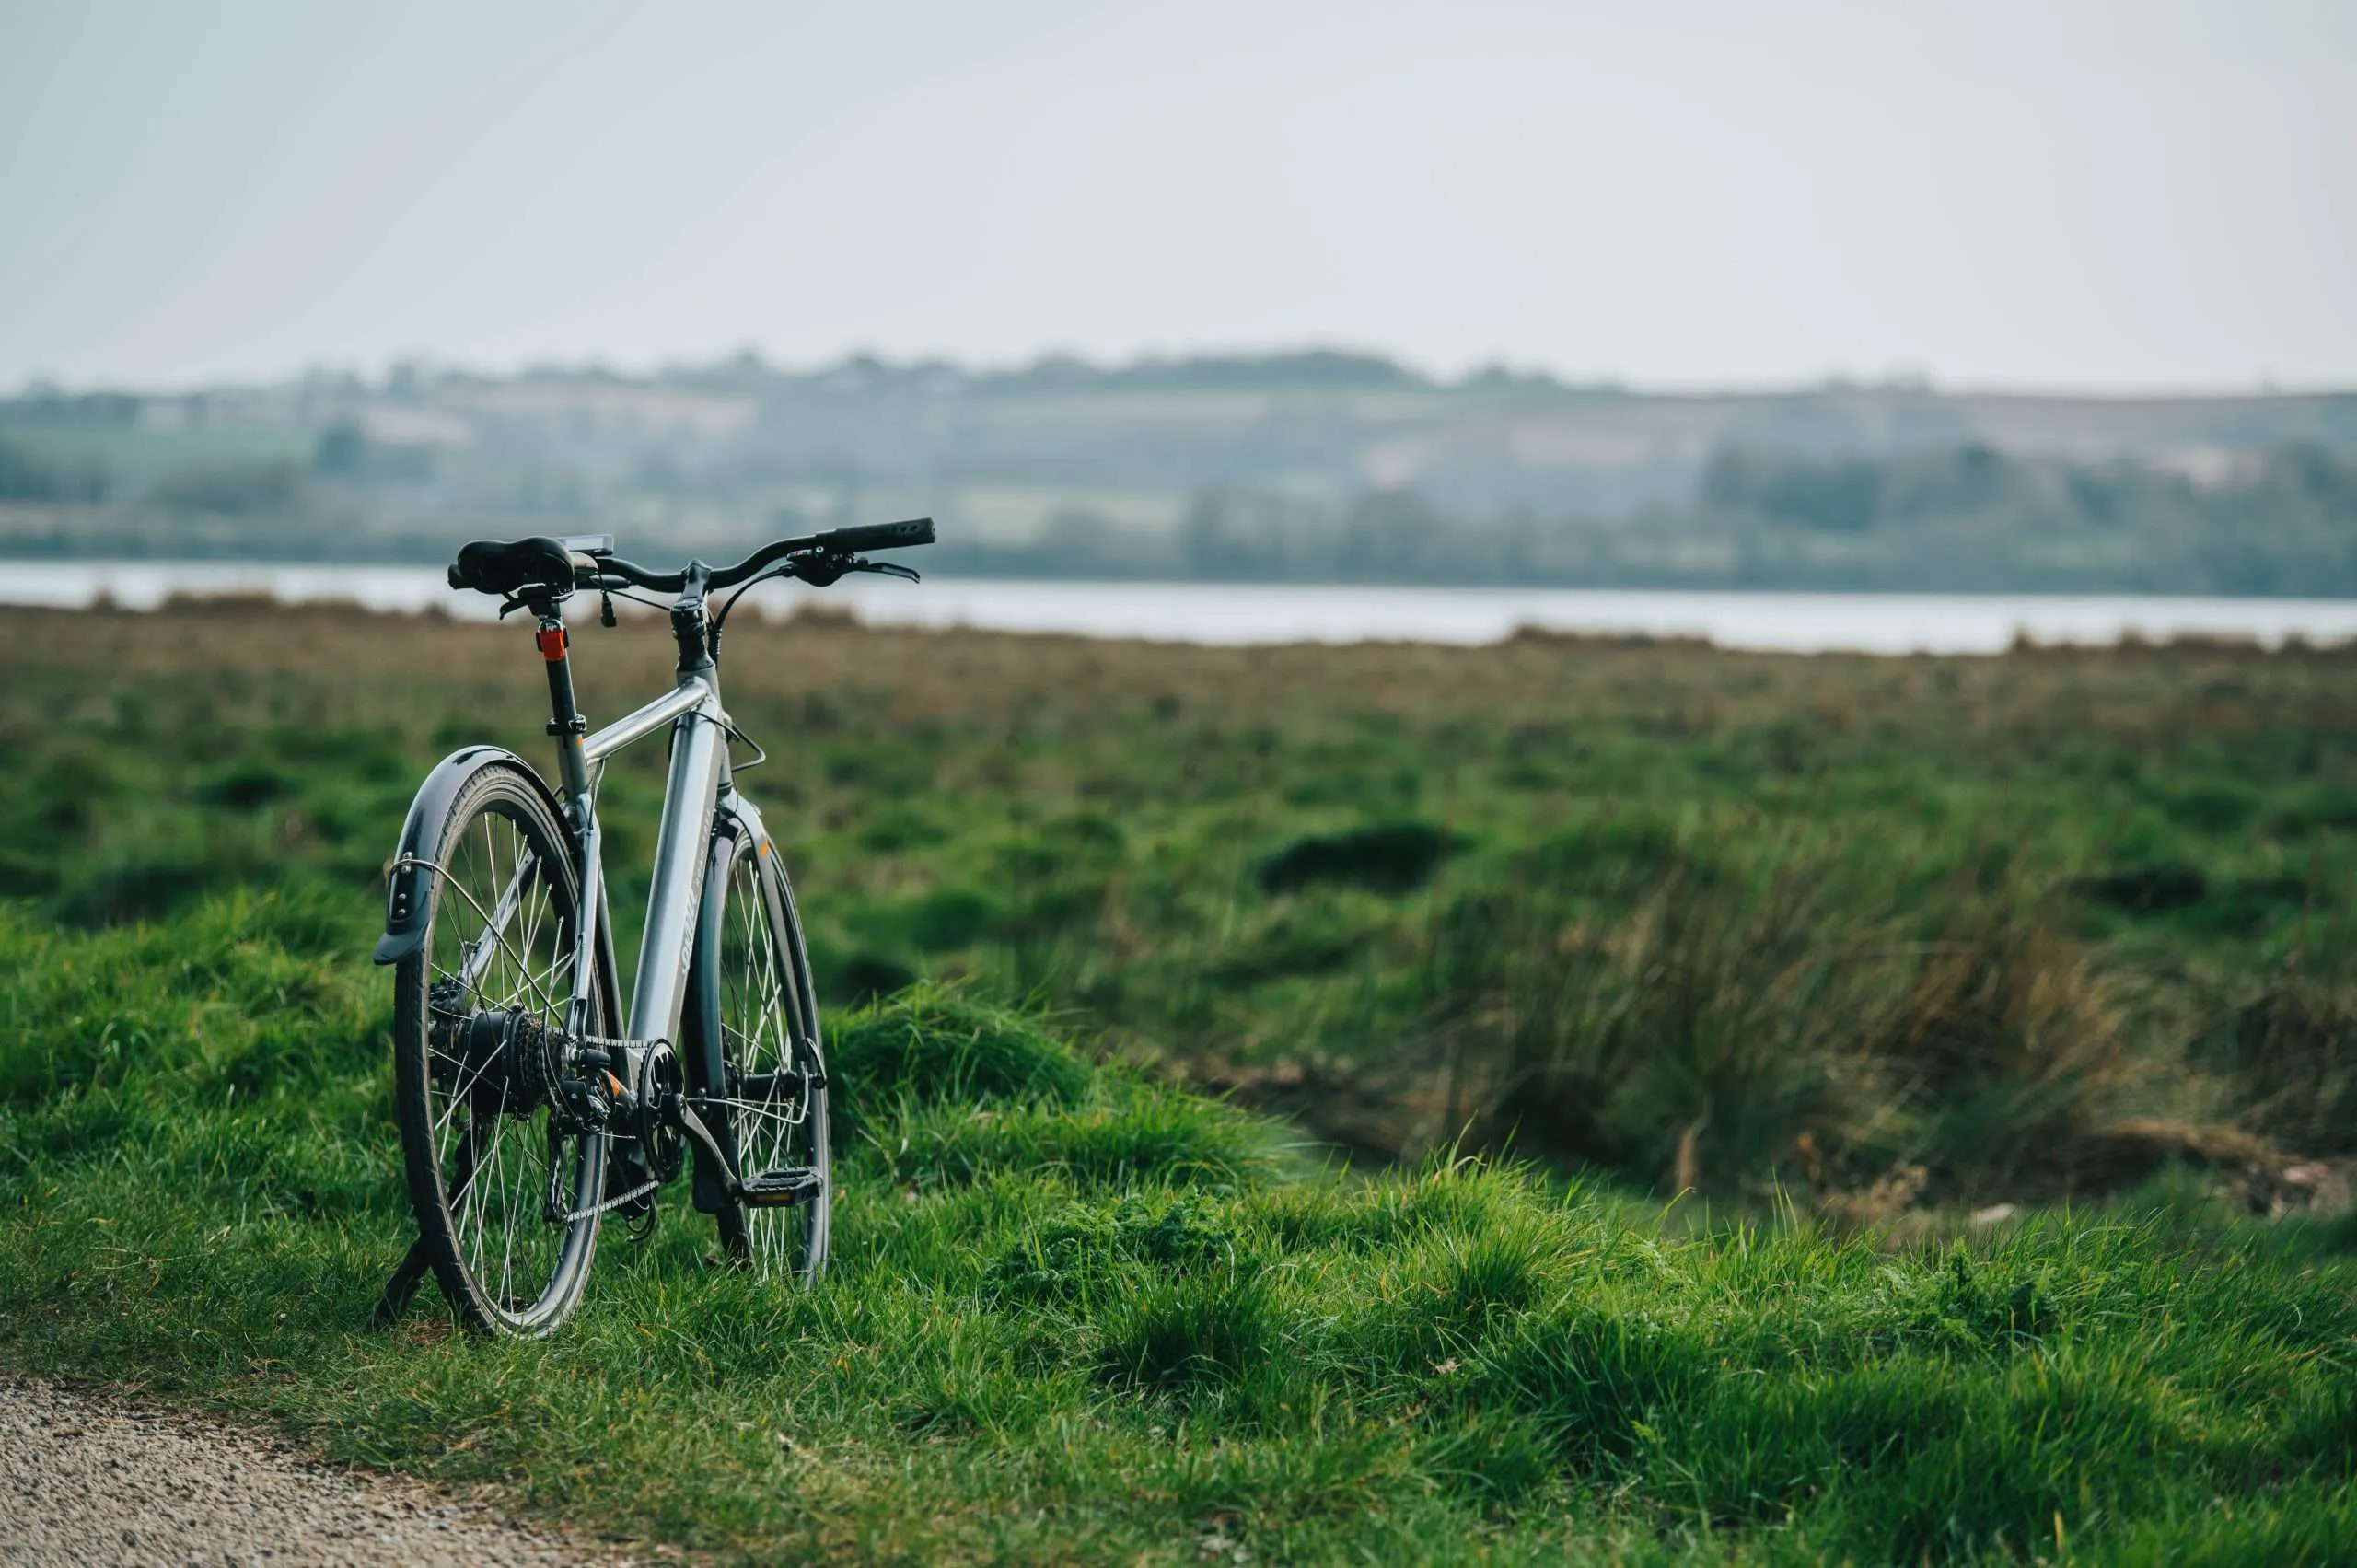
point(510, 1240)
point(751, 984)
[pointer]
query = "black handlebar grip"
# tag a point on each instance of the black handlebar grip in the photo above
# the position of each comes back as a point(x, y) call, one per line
point(877, 536)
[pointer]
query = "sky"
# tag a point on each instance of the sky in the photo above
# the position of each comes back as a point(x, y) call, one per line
point(2067, 193)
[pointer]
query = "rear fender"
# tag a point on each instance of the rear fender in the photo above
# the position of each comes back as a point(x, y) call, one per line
point(405, 897)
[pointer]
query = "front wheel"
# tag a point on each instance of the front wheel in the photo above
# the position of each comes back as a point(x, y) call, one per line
point(759, 1070)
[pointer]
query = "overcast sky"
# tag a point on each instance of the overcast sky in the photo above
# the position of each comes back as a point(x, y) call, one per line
point(2068, 192)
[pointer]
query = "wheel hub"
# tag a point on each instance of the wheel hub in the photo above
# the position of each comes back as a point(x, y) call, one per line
point(501, 1063)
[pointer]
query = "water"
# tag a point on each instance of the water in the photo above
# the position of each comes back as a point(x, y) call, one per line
point(1201, 612)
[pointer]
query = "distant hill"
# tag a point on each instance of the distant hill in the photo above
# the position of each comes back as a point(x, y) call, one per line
point(1324, 464)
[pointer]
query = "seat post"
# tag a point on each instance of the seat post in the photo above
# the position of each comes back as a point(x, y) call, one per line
point(565, 722)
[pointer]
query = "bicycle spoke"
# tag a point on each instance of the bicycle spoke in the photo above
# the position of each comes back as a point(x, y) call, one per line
point(746, 1108)
point(506, 950)
point(509, 901)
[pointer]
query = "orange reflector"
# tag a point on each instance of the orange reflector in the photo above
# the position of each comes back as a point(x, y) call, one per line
point(552, 643)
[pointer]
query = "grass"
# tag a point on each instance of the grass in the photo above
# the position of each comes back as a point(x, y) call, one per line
point(1697, 919)
point(1078, 1315)
point(1848, 946)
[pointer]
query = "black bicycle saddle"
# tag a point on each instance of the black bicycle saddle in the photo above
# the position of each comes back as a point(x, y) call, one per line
point(491, 566)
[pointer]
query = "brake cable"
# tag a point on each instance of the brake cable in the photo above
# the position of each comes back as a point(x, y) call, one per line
point(730, 602)
point(815, 567)
point(634, 598)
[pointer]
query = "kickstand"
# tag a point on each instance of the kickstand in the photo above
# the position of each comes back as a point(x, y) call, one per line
point(402, 1285)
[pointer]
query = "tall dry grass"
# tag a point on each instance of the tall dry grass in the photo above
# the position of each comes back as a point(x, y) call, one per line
point(1631, 1002)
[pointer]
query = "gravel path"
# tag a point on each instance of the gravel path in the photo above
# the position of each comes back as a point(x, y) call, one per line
point(91, 1479)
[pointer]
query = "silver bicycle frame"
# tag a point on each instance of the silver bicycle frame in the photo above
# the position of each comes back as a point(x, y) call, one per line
point(683, 844)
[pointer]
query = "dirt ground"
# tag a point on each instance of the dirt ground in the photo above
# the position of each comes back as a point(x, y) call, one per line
point(94, 1478)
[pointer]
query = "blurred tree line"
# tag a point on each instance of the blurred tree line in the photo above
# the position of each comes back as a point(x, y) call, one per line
point(1260, 486)
point(1971, 518)
point(265, 488)
point(27, 476)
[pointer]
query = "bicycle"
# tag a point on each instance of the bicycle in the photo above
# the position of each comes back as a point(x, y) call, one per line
point(529, 1104)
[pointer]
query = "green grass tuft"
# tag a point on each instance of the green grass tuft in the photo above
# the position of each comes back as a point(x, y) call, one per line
point(932, 1045)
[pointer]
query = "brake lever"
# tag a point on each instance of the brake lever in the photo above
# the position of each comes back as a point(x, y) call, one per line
point(817, 568)
point(821, 570)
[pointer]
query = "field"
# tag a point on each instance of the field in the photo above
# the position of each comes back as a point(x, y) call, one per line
point(1518, 945)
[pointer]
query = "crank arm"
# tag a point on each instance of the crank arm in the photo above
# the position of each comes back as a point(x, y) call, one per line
point(693, 1125)
point(769, 1189)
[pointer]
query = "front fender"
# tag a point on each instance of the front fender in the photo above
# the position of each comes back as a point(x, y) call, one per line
point(405, 897)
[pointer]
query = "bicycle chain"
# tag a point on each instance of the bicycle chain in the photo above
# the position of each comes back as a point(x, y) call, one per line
point(616, 1201)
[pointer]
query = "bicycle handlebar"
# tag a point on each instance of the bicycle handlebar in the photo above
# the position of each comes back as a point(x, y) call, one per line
point(835, 541)
point(561, 564)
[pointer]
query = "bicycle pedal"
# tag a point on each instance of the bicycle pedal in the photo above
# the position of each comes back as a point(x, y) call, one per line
point(781, 1189)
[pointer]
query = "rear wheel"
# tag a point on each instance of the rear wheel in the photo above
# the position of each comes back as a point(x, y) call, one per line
point(760, 1070)
point(504, 1185)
